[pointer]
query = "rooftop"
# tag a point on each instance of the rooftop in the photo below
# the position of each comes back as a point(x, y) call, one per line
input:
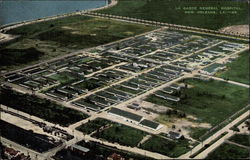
point(126, 114)
point(149, 124)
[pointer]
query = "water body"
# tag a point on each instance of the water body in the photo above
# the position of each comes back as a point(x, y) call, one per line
point(12, 11)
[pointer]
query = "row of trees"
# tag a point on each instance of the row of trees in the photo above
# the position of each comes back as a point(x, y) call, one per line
point(41, 108)
point(174, 26)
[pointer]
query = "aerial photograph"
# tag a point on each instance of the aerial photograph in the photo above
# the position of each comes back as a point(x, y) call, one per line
point(124, 79)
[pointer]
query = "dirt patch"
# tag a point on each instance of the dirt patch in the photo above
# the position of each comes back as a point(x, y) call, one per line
point(241, 29)
point(153, 107)
point(185, 85)
point(129, 33)
point(67, 27)
point(181, 125)
point(192, 117)
point(142, 112)
point(180, 122)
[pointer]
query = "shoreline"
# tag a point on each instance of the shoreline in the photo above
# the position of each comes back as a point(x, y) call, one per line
point(7, 37)
point(10, 26)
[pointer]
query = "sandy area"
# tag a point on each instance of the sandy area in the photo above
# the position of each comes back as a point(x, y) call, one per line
point(241, 29)
point(153, 107)
point(4, 36)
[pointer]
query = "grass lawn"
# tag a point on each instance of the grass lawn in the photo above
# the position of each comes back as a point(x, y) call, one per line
point(63, 77)
point(209, 101)
point(92, 32)
point(88, 84)
point(238, 70)
point(81, 31)
point(166, 147)
point(62, 36)
point(122, 134)
point(92, 126)
point(178, 12)
point(242, 139)
point(228, 151)
point(197, 132)
point(167, 120)
point(84, 60)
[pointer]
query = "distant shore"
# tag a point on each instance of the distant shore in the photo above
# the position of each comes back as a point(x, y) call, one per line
point(6, 27)
point(5, 37)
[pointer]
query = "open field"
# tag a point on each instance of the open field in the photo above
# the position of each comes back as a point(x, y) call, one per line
point(207, 145)
point(209, 101)
point(166, 147)
point(18, 56)
point(171, 117)
point(89, 29)
point(92, 32)
point(41, 108)
point(183, 12)
point(242, 139)
point(62, 36)
point(238, 70)
point(197, 132)
point(229, 151)
point(121, 134)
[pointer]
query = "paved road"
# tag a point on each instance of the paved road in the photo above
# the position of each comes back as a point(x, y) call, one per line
point(237, 144)
point(130, 149)
point(33, 154)
point(203, 154)
point(221, 60)
point(231, 82)
point(78, 52)
point(144, 139)
point(104, 115)
point(78, 136)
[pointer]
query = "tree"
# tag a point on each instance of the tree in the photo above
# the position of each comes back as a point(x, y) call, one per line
point(168, 112)
point(118, 47)
point(223, 97)
point(186, 86)
point(175, 112)
point(97, 133)
point(117, 129)
point(235, 129)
